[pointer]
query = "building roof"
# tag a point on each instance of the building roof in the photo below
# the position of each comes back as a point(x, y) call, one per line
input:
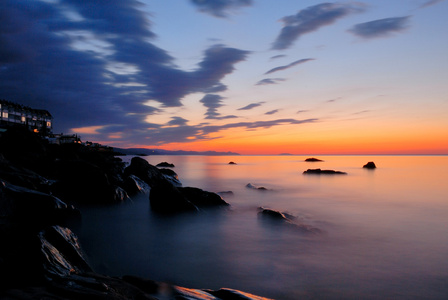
point(26, 108)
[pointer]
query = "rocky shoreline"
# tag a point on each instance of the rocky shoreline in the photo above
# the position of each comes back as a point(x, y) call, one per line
point(40, 187)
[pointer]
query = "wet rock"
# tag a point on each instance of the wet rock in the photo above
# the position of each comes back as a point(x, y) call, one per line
point(230, 294)
point(165, 164)
point(312, 159)
point(202, 198)
point(146, 172)
point(319, 171)
point(134, 185)
point(171, 176)
point(255, 187)
point(166, 198)
point(232, 163)
point(29, 206)
point(369, 165)
point(83, 182)
point(275, 217)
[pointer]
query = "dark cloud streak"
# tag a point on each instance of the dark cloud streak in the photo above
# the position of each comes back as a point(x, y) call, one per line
point(380, 28)
point(251, 106)
point(311, 19)
point(281, 68)
point(220, 8)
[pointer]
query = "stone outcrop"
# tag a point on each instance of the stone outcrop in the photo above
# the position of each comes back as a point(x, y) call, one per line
point(325, 172)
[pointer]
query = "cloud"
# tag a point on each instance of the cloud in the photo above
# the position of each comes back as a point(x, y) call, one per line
point(252, 105)
point(271, 112)
point(430, 3)
point(269, 81)
point(92, 63)
point(213, 102)
point(311, 19)
point(220, 8)
point(177, 121)
point(380, 28)
point(281, 68)
point(278, 56)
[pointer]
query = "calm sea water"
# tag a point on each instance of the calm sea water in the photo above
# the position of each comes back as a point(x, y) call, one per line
point(385, 230)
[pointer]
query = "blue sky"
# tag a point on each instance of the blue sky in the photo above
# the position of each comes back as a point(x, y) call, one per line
point(197, 74)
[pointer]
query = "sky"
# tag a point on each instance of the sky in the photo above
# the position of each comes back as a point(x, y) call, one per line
point(247, 76)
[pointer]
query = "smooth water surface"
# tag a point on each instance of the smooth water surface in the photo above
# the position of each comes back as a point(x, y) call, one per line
point(385, 230)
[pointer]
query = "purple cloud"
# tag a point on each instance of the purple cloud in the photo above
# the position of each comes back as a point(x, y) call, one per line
point(267, 81)
point(380, 28)
point(311, 19)
point(213, 102)
point(271, 112)
point(281, 68)
point(251, 106)
point(220, 8)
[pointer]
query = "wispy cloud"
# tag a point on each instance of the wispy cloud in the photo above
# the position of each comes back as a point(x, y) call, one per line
point(271, 112)
point(213, 102)
point(281, 68)
point(220, 8)
point(380, 28)
point(311, 19)
point(251, 106)
point(177, 121)
point(268, 81)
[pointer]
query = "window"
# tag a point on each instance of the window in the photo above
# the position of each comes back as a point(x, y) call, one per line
point(5, 115)
point(23, 119)
point(48, 124)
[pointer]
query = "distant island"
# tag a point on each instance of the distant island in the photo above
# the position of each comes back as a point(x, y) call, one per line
point(144, 151)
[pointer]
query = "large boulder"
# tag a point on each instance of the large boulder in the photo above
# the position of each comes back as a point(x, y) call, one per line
point(80, 181)
point(202, 198)
point(166, 198)
point(28, 206)
point(134, 185)
point(145, 171)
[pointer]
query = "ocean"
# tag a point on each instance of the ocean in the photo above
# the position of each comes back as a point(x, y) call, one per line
point(384, 231)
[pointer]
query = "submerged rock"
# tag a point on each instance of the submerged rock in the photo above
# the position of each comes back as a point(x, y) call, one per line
point(312, 159)
point(278, 218)
point(202, 198)
point(255, 187)
point(319, 171)
point(166, 198)
point(369, 165)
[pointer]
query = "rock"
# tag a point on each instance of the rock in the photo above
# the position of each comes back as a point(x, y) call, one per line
point(146, 172)
point(165, 164)
point(134, 185)
point(230, 294)
point(260, 188)
point(319, 171)
point(278, 218)
point(312, 159)
point(232, 163)
point(80, 181)
point(32, 206)
point(166, 198)
point(369, 165)
point(225, 193)
point(202, 198)
point(171, 176)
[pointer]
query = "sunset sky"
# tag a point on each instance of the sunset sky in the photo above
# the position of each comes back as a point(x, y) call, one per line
point(248, 76)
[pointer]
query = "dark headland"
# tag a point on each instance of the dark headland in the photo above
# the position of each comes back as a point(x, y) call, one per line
point(41, 185)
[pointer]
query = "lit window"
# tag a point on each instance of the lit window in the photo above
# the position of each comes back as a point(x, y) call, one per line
point(5, 115)
point(23, 119)
point(48, 124)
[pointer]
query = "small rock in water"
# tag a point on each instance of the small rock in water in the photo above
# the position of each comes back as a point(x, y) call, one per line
point(260, 188)
point(312, 159)
point(370, 165)
point(319, 171)
point(232, 163)
point(165, 164)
